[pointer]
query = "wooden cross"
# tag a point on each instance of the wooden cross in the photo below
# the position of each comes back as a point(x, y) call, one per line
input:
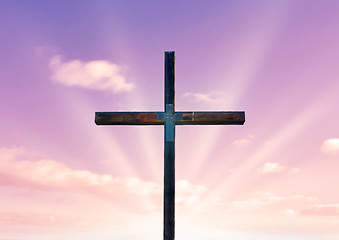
point(169, 118)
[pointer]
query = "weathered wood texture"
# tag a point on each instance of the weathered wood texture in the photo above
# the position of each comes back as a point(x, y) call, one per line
point(187, 118)
point(211, 118)
point(169, 148)
point(169, 186)
point(169, 79)
point(127, 118)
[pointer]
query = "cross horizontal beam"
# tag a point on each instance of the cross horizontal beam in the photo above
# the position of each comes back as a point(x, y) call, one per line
point(182, 118)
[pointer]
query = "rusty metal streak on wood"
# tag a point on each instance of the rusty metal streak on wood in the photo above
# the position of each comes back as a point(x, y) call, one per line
point(127, 118)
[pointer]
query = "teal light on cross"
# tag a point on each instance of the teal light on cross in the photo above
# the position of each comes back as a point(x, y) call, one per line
point(170, 117)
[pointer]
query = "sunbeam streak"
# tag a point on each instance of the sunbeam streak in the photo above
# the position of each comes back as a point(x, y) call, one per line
point(315, 111)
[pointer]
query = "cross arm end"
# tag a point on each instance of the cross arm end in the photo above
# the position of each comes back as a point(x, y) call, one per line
point(212, 118)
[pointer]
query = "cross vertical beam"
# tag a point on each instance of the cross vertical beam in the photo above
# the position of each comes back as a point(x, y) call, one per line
point(169, 148)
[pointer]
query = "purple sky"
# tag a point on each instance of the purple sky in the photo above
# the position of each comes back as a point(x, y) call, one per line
point(61, 176)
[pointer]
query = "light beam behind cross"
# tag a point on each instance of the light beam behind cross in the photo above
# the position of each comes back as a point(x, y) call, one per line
point(169, 118)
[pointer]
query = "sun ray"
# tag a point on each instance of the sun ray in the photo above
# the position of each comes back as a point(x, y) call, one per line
point(248, 61)
point(115, 155)
point(314, 112)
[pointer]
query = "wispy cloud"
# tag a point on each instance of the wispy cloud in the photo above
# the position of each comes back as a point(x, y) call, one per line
point(322, 210)
point(7, 154)
point(96, 75)
point(330, 146)
point(244, 142)
point(203, 97)
point(271, 167)
point(288, 212)
point(50, 175)
point(188, 194)
point(267, 200)
point(249, 203)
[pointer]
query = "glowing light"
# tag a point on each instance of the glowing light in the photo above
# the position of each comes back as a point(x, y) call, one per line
point(330, 146)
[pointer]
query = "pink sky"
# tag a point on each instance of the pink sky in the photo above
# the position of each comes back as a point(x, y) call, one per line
point(63, 177)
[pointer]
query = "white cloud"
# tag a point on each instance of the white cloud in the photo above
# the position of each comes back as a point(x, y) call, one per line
point(96, 75)
point(271, 167)
point(288, 212)
point(243, 142)
point(188, 194)
point(203, 97)
point(50, 175)
point(330, 146)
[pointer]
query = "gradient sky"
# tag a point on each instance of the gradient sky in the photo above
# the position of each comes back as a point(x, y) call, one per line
point(63, 177)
